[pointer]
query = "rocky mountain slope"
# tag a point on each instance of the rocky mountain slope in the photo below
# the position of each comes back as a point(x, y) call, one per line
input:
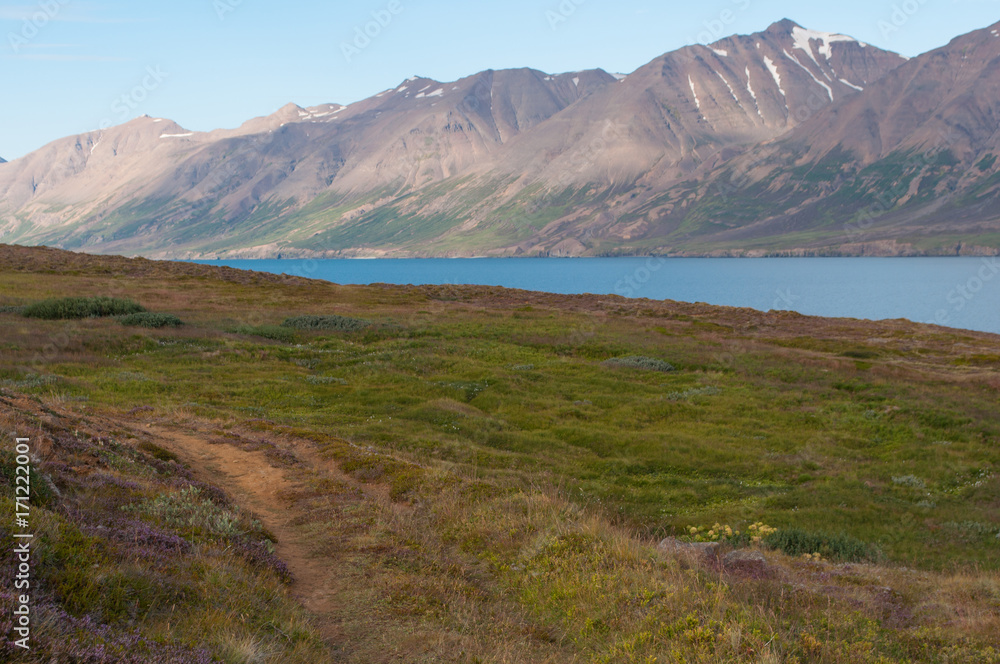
point(908, 165)
point(788, 139)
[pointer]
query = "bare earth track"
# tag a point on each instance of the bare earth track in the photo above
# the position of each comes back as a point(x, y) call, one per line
point(261, 487)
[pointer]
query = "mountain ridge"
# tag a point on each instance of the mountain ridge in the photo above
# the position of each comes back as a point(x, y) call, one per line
point(704, 150)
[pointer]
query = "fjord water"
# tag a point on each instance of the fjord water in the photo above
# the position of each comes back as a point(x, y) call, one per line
point(960, 292)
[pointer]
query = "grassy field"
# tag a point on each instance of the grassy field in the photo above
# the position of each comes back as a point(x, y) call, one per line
point(476, 474)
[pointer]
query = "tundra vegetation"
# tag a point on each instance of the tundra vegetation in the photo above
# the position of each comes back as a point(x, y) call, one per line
point(473, 474)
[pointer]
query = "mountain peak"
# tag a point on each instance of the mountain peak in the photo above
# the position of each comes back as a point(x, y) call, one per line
point(287, 114)
point(414, 79)
point(803, 38)
point(785, 25)
point(145, 120)
point(290, 112)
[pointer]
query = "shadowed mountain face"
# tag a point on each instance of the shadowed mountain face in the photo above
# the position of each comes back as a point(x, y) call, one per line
point(781, 140)
point(908, 165)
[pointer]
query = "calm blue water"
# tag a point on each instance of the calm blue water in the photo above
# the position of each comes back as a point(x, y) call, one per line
point(956, 292)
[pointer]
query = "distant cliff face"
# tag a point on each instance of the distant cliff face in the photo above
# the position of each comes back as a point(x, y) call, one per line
point(788, 139)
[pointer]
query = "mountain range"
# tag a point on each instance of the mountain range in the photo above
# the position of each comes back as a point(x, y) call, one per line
point(787, 141)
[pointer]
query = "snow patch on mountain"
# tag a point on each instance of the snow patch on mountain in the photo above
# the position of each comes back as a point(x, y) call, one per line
point(803, 38)
point(731, 91)
point(829, 90)
point(696, 102)
point(752, 94)
point(849, 84)
point(769, 63)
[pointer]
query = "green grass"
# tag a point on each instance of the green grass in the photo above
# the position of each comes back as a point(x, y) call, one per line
point(497, 483)
point(639, 362)
point(273, 332)
point(986, 163)
point(705, 442)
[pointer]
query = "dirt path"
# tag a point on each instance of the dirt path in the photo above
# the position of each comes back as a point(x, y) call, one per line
point(257, 485)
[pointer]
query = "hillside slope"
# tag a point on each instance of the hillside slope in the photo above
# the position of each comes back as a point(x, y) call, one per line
point(472, 473)
point(912, 160)
point(787, 140)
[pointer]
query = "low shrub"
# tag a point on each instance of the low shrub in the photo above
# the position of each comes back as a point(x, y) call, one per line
point(189, 513)
point(860, 354)
point(42, 493)
point(911, 481)
point(708, 391)
point(67, 638)
point(158, 452)
point(150, 319)
point(12, 309)
point(81, 307)
point(754, 534)
point(332, 322)
point(273, 332)
point(260, 554)
point(973, 530)
point(325, 380)
point(469, 389)
point(30, 381)
point(797, 542)
point(639, 362)
point(717, 533)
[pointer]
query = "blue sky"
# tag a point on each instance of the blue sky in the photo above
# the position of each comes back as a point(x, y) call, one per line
point(65, 65)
